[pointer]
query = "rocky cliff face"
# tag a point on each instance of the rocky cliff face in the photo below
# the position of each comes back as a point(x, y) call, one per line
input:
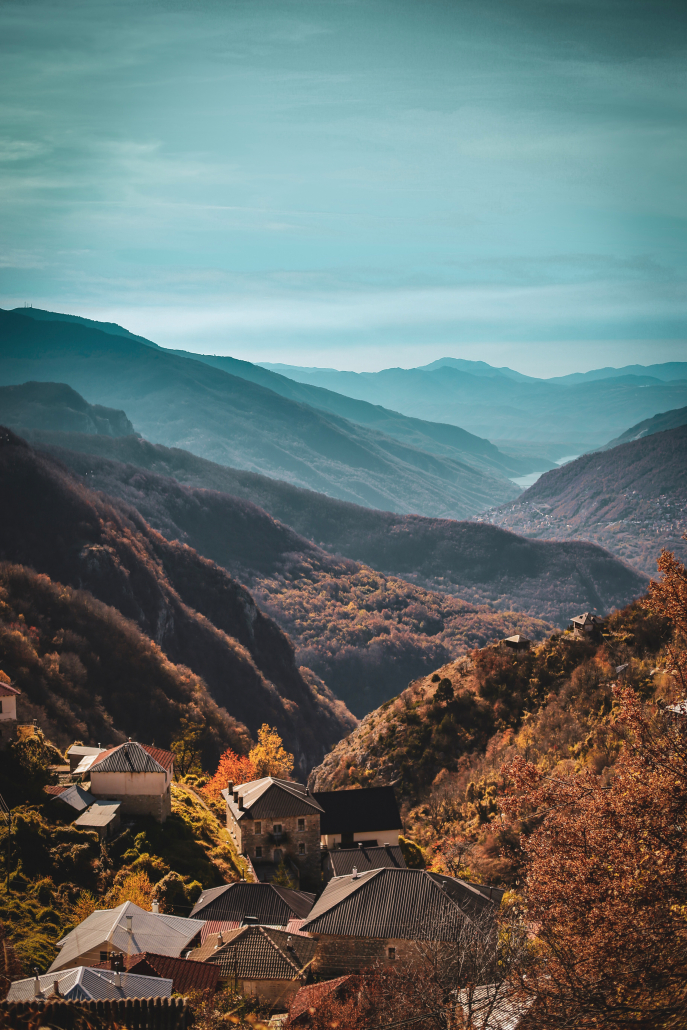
point(193, 609)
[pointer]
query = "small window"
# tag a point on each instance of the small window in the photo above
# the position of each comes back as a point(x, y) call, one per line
point(104, 956)
point(258, 852)
point(301, 825)
point(277, 827)
point(392, 954)
point(301, 849)
point(258, 829)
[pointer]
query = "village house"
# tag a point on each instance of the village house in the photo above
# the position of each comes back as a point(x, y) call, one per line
point(8, 711)
point(515, 643)
point(261, 962)
point(86, 984)
point(272, 820)
point(125, 930)
point(370, 816)
point(342, 861)
point(77, 752)
point(136, 775)
point(376, 918)
point(250, 904)
point(185, 975)
point(584, 624)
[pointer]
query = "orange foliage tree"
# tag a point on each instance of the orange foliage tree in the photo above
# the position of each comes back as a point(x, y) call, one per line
point(605, 889)
point(232, 768)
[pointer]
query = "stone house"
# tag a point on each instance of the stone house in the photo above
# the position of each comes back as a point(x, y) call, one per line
point(582, 625)
point(369, 816)
point(126, 930)
point(377, 918)
point(261, 962)
point(273, 820)
point(136, 775)
point(515, 643)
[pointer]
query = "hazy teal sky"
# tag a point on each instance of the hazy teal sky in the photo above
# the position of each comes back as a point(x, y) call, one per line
point(357, 184)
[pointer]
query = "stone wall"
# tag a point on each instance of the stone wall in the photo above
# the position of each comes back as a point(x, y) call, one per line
point(157, 805)
point(337, 956)
point(247, 840)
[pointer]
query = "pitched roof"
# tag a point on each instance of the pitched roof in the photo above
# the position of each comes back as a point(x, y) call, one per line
point(359, 811)
point(312, 995)
point(151, 931)
point(409, 904)
point(83, 983)
point(270, 798)
point(271, 905)
point(133, 757)
point(215, 926)
point(585, 618)
point(82, 750)
point(259, 953)
point(184, 974)
point(7, 690)
point(101, 813)
point(73, 795)
point(343, 861)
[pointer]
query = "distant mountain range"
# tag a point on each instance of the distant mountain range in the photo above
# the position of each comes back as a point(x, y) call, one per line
point(657, 424)
point(181, 401)
point(55, 406)
point(188, 606)
point(630, 498)
point(560, 416)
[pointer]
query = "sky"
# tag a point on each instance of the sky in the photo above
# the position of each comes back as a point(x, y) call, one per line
point(353, 184)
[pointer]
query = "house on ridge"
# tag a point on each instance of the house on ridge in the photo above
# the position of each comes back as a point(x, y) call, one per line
point(137, 776)
point(582, 625)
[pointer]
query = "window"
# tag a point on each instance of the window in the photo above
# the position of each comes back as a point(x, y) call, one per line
point(277, 828)
point(301, 849)
point(104, 956)
point(301, 825)
point(392, 954)
point(258, 829)
point(278, 855)
point(258, 852)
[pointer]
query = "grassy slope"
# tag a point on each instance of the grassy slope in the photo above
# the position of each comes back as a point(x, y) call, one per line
point(631, 500)
point(182, 402)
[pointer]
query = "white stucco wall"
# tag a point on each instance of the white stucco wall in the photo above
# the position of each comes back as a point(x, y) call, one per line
point(9, 708)
point(381, 836)
point(114, 784)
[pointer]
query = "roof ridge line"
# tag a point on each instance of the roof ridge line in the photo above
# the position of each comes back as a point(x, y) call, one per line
point(276, 946)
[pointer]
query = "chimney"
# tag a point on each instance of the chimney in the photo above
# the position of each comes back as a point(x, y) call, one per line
point(230, 787)
point(307, 790)
point(354, 875)
point(220, 939)
point(360, 844)
point(386, 844)
point(289, 943)
point(129, 924)
point(56, 988)
point(241, 806)
point(117, 978)
point(155, 908)
point(37, 993)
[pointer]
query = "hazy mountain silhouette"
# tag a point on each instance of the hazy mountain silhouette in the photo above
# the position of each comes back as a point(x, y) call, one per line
point(657, 424)
point(55, 406)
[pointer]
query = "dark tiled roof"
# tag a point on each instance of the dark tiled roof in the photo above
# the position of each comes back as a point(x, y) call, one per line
point(258, 953)
point(133, 757)
point(314, 994)
point(184, 974)
point(408, 904)
point(359, 811)
point(271, 905)
point(343, 861)
point(74, 796)
point(270, 798)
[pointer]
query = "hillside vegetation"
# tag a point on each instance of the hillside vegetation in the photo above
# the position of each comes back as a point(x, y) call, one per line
point(179, 401)
point(444, 742)
point(479, 563)
point(632, 500)
point(190, 607)
point(55, 406)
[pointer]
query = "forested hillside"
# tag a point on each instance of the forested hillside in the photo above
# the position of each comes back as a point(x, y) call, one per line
point(446, 741)
point(190, 607)
point(631, 499)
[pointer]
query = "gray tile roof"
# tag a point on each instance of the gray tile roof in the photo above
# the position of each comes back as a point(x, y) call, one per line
point(408, 904)
point(75, 796)
point(86, 984)
point(158, 933)
point(81, 751)
point(271, 905)
point(101, 813)
point(270, 798)
point(359, 811)
point(342, 862)
point(133, 757)
point(258, 953)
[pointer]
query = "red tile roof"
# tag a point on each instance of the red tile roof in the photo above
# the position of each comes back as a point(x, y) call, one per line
point(215, 926)
point(8, 691)
point(129, 758)
point(56, 790)
point(185, 975)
